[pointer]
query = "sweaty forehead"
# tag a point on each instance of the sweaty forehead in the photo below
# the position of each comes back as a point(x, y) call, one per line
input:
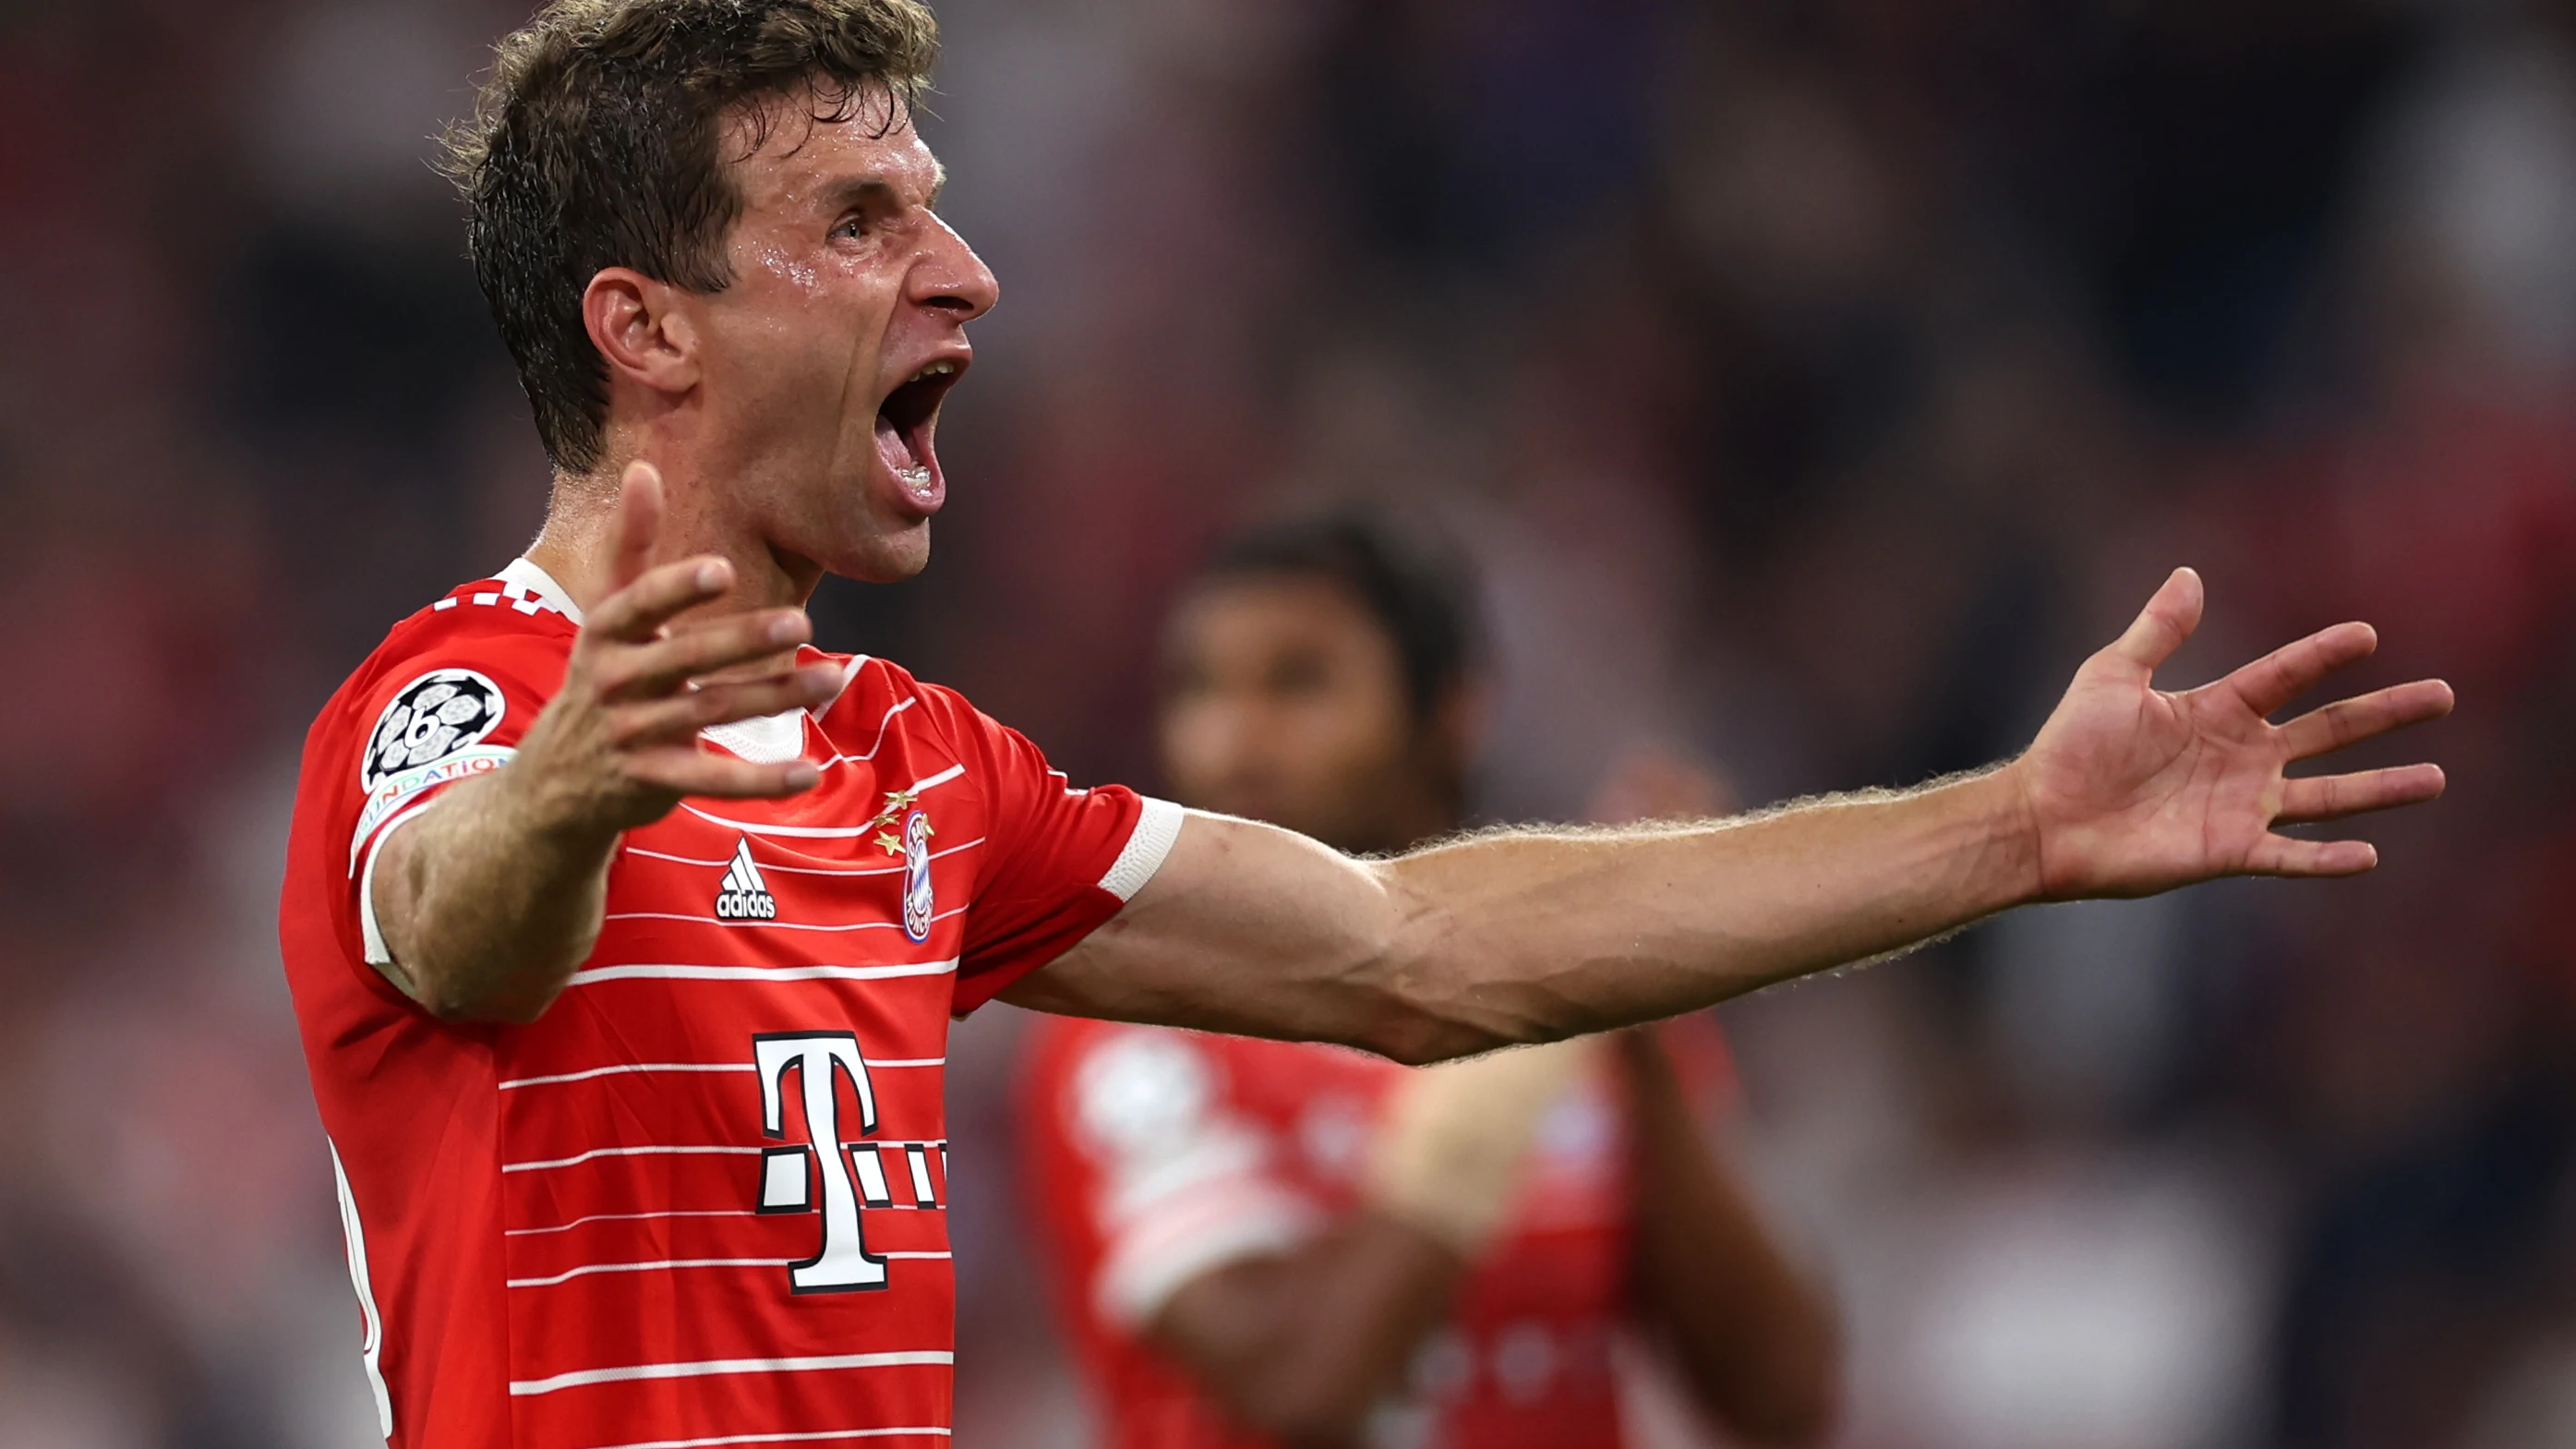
point(800, 150)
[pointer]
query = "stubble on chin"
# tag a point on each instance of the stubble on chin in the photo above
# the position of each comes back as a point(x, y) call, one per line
point(895, 554)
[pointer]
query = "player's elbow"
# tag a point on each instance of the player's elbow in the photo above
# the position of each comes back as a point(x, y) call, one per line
point(499, 1010)
point(1433, 1011)
point(455, 1002)
point(459, 988)
point(1436, 990)
point(1421, 1024)
point(1416, 1039)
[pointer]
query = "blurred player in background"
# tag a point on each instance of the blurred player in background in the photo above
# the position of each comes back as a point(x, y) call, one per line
point(1300, 1242)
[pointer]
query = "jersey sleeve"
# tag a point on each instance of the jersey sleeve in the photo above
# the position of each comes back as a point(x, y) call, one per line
point(1174, 1180)
point(1060, 860)
point(443, 712)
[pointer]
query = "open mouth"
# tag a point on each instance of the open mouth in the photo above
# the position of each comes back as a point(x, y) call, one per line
point(906, 421)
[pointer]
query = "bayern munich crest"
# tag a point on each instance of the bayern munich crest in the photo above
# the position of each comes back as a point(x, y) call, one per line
point(917, 899)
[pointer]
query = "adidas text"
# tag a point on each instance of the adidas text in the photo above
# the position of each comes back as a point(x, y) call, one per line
point(743, 895)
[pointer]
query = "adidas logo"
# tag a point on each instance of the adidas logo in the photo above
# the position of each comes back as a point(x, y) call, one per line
point(744, 896)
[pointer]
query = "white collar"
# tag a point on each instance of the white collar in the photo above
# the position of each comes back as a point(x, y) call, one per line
point(541, 586)
point(769, 739)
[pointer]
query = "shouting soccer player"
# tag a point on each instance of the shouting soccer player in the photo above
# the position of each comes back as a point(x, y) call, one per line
point(624, 928)
point(1317, 1247)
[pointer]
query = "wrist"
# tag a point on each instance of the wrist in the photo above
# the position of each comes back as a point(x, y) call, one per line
point(2011, 869)
point(553, 815)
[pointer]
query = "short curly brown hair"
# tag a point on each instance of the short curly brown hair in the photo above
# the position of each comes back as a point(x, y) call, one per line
point(595, 143)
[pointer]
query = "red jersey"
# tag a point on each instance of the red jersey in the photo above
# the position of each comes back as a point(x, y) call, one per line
point(701, 1200)
point(1155, 1155)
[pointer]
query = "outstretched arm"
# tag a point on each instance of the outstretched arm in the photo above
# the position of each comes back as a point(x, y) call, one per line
point(1534, 934)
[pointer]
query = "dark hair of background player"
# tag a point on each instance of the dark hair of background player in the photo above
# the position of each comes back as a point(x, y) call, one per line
point(597, 142)
point(1422, 595)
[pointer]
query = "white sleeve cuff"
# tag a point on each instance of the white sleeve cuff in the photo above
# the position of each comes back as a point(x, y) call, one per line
point(1149, 1264)
point(1147, 845)
point(378, 954)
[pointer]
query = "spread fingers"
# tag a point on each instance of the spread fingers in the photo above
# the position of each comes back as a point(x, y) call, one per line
point(679, 717)
point(644, 671)
point(688, 770)
point(636, 612)
point(2333, 797)
point(2293, 669)
point(2350, 721)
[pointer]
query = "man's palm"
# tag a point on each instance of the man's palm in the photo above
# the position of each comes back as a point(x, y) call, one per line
point(2133, 790)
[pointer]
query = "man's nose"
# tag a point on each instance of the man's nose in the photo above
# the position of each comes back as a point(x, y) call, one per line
point(952, 278)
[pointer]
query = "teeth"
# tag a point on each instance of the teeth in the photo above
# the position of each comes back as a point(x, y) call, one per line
point(917, 476)
point(936, 369)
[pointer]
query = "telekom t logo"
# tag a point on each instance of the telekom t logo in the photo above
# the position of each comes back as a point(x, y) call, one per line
point(843, 1264)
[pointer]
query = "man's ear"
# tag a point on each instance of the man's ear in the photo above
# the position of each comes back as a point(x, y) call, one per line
point(639, 327)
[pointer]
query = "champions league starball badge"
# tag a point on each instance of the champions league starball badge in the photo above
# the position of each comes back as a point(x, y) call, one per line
point(432, 717)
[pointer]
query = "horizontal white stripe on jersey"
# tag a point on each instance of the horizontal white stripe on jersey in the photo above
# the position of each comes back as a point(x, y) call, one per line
point(629, 1218)
point(820, 1436)
point(624, 1068)
point(768, 869)
point(821, 832)
point(668, 1264)
point(513, 1083)
point(769, 925)
point(545, 1164)
point(706, 1368)
point(665, 1265)
point(592, 974)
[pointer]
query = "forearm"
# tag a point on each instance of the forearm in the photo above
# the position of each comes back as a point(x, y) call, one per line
point(1524, 936)
point(1756, 1341)
point(489, 900)
point(1301, 1346)
point(1532, 935)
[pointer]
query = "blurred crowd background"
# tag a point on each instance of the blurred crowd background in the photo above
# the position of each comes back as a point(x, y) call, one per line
point(1816, 381)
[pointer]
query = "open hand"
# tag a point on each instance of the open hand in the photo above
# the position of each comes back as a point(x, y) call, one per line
point(2131, 790)
point(617, 747)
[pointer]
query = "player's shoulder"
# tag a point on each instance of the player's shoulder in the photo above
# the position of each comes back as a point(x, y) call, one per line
point(502, 640)
point(519, 607)
point(881, 699)
point(520, 611)
point(872, 680)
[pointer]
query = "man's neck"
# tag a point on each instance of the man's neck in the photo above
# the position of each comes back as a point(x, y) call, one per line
point(577, 547)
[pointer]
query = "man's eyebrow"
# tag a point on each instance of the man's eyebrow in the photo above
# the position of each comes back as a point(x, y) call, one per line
point(850, 190)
